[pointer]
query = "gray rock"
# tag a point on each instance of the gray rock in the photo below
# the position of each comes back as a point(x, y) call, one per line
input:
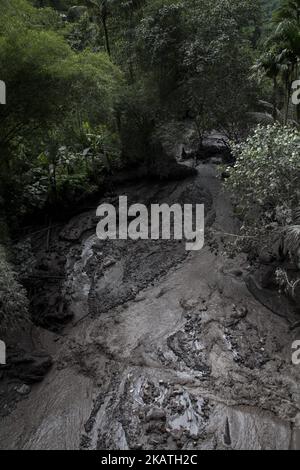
point(156, 415)
point(30, 368)
point(23, 390)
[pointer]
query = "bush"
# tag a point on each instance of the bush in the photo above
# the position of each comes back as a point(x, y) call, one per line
point(265, 180)
point(13, 301)
point(265, 187)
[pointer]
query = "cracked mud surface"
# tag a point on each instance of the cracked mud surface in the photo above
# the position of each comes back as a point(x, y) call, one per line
point(166, 350)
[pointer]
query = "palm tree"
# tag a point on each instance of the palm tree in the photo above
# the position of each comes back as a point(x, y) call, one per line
point(101, 10)
point(269, 65)
point(288, 36)
point(287, 39)
point(289, 10)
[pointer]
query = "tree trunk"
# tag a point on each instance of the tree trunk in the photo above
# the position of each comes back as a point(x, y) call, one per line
point(275, 98)
point(104, 23)
point(288, 90)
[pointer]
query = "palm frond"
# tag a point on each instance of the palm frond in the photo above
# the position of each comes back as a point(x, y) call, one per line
point(296, 216)
point(291, 241)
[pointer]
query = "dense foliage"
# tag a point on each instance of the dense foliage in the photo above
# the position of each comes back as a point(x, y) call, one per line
point(89, 84)
point(278, 64)
point(52, 92)
point(92, 83)
point(13, 300)
point(265, 179)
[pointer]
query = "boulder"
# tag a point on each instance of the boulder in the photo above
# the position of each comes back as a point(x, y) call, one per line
point(29, 367)
point(156, 414)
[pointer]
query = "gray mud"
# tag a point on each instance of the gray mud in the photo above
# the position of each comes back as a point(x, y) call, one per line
point(166, 350)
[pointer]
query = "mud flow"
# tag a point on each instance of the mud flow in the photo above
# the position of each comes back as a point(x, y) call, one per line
point(154, 347)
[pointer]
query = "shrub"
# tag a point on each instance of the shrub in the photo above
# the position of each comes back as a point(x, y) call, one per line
point(265, 180)
point(265, 187)
point(13, 300)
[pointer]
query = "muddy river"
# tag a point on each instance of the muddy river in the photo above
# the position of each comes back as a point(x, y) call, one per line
point(166, 349)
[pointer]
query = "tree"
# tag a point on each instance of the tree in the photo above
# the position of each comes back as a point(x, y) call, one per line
point(269, 65)
point(217, 58)
point(48, 85)
point(282, 50)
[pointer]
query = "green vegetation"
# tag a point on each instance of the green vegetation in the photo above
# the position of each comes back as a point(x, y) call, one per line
point(91, 83)
point(266, 174)
point(13, 300)
point(265, 182)
point(265, 179)
point(279, 61)
point(52, 92)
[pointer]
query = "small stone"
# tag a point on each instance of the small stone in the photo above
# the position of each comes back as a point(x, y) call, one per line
point(23, 390)
point(137, 447)
point(108, 262)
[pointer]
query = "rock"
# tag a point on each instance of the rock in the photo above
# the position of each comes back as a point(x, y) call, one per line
point(237, 272)
point(271, 299)
point(156, 415)
point(30, 368)
point(23, 390)
point(108, 262)
point(240, 313)
point(265, 257)
point(137, 447)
